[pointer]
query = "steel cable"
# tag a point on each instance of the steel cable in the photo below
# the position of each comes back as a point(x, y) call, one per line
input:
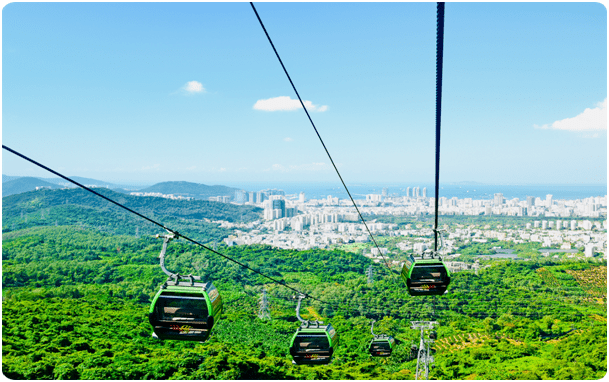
point(320, 139)
point(439, 63)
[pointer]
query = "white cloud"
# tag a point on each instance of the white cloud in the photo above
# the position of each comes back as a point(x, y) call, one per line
point(589, 119)
point(288, 139)
point(193, 87)
point(285, 103)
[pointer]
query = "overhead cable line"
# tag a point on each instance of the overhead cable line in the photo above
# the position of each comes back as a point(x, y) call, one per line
point(339, 305)
point(439, 62)
point(282, 283)
point(278, 282)
point(320, 139)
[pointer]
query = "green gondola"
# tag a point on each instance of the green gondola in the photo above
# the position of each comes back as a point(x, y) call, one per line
point(313, 343)
point(184, 310)
point(381, 344)
point(425, 277)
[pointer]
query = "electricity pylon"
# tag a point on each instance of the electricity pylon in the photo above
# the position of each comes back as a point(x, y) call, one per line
point(370, 275)
point(424, 358)
point(263, 310)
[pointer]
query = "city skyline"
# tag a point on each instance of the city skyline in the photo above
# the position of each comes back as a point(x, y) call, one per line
point(162, 92)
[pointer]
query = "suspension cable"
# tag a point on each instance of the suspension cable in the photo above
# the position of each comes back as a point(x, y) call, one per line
point(439, 62)
point(281, 283)
point(321, 140)
point(178, 235)
point(161, 225)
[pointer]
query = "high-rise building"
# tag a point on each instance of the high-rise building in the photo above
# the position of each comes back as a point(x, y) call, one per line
point(259, 197)
point(301, 199)
point(279, 204)
point(498, 201)
point(268, 214)
point(384, 192)
point(408, 192)
point(530, 201)
point(252, 198)
point(297, 225)
point(290, 212)
point(424, 192)
point(240, 196)
point(549, 200)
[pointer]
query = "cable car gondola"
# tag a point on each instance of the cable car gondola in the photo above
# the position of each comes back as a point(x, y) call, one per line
point(425, 277)
point(184, 310)
point(381, 345)
point(313, 343)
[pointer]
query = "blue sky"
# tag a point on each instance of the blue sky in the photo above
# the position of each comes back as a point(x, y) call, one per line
point(151, 92)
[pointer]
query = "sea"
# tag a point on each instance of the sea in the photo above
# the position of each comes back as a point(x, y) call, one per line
point(321, 190)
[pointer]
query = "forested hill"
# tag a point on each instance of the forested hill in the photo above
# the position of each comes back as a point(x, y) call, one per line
point(24, 184)
point(193, 209)
point(75, 303)
point(80, 207)
point(194, 190)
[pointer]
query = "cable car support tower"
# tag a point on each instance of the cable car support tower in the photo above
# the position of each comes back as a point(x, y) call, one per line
point(424, 358)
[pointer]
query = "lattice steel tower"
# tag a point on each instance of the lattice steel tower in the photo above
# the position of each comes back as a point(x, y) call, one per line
point(263, 310)
point(370, 274)
point(424, 358)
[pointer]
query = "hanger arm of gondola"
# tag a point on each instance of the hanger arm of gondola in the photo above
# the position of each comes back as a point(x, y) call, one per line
point(175, 276)
point(300, 298)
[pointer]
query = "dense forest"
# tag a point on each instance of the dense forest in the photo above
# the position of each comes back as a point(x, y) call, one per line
point(75, 303)
point(81, 208)
point(79, 275)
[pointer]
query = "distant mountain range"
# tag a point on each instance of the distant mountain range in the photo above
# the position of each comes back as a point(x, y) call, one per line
point(194, 190)
point(65, 183)
point(19, 184)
